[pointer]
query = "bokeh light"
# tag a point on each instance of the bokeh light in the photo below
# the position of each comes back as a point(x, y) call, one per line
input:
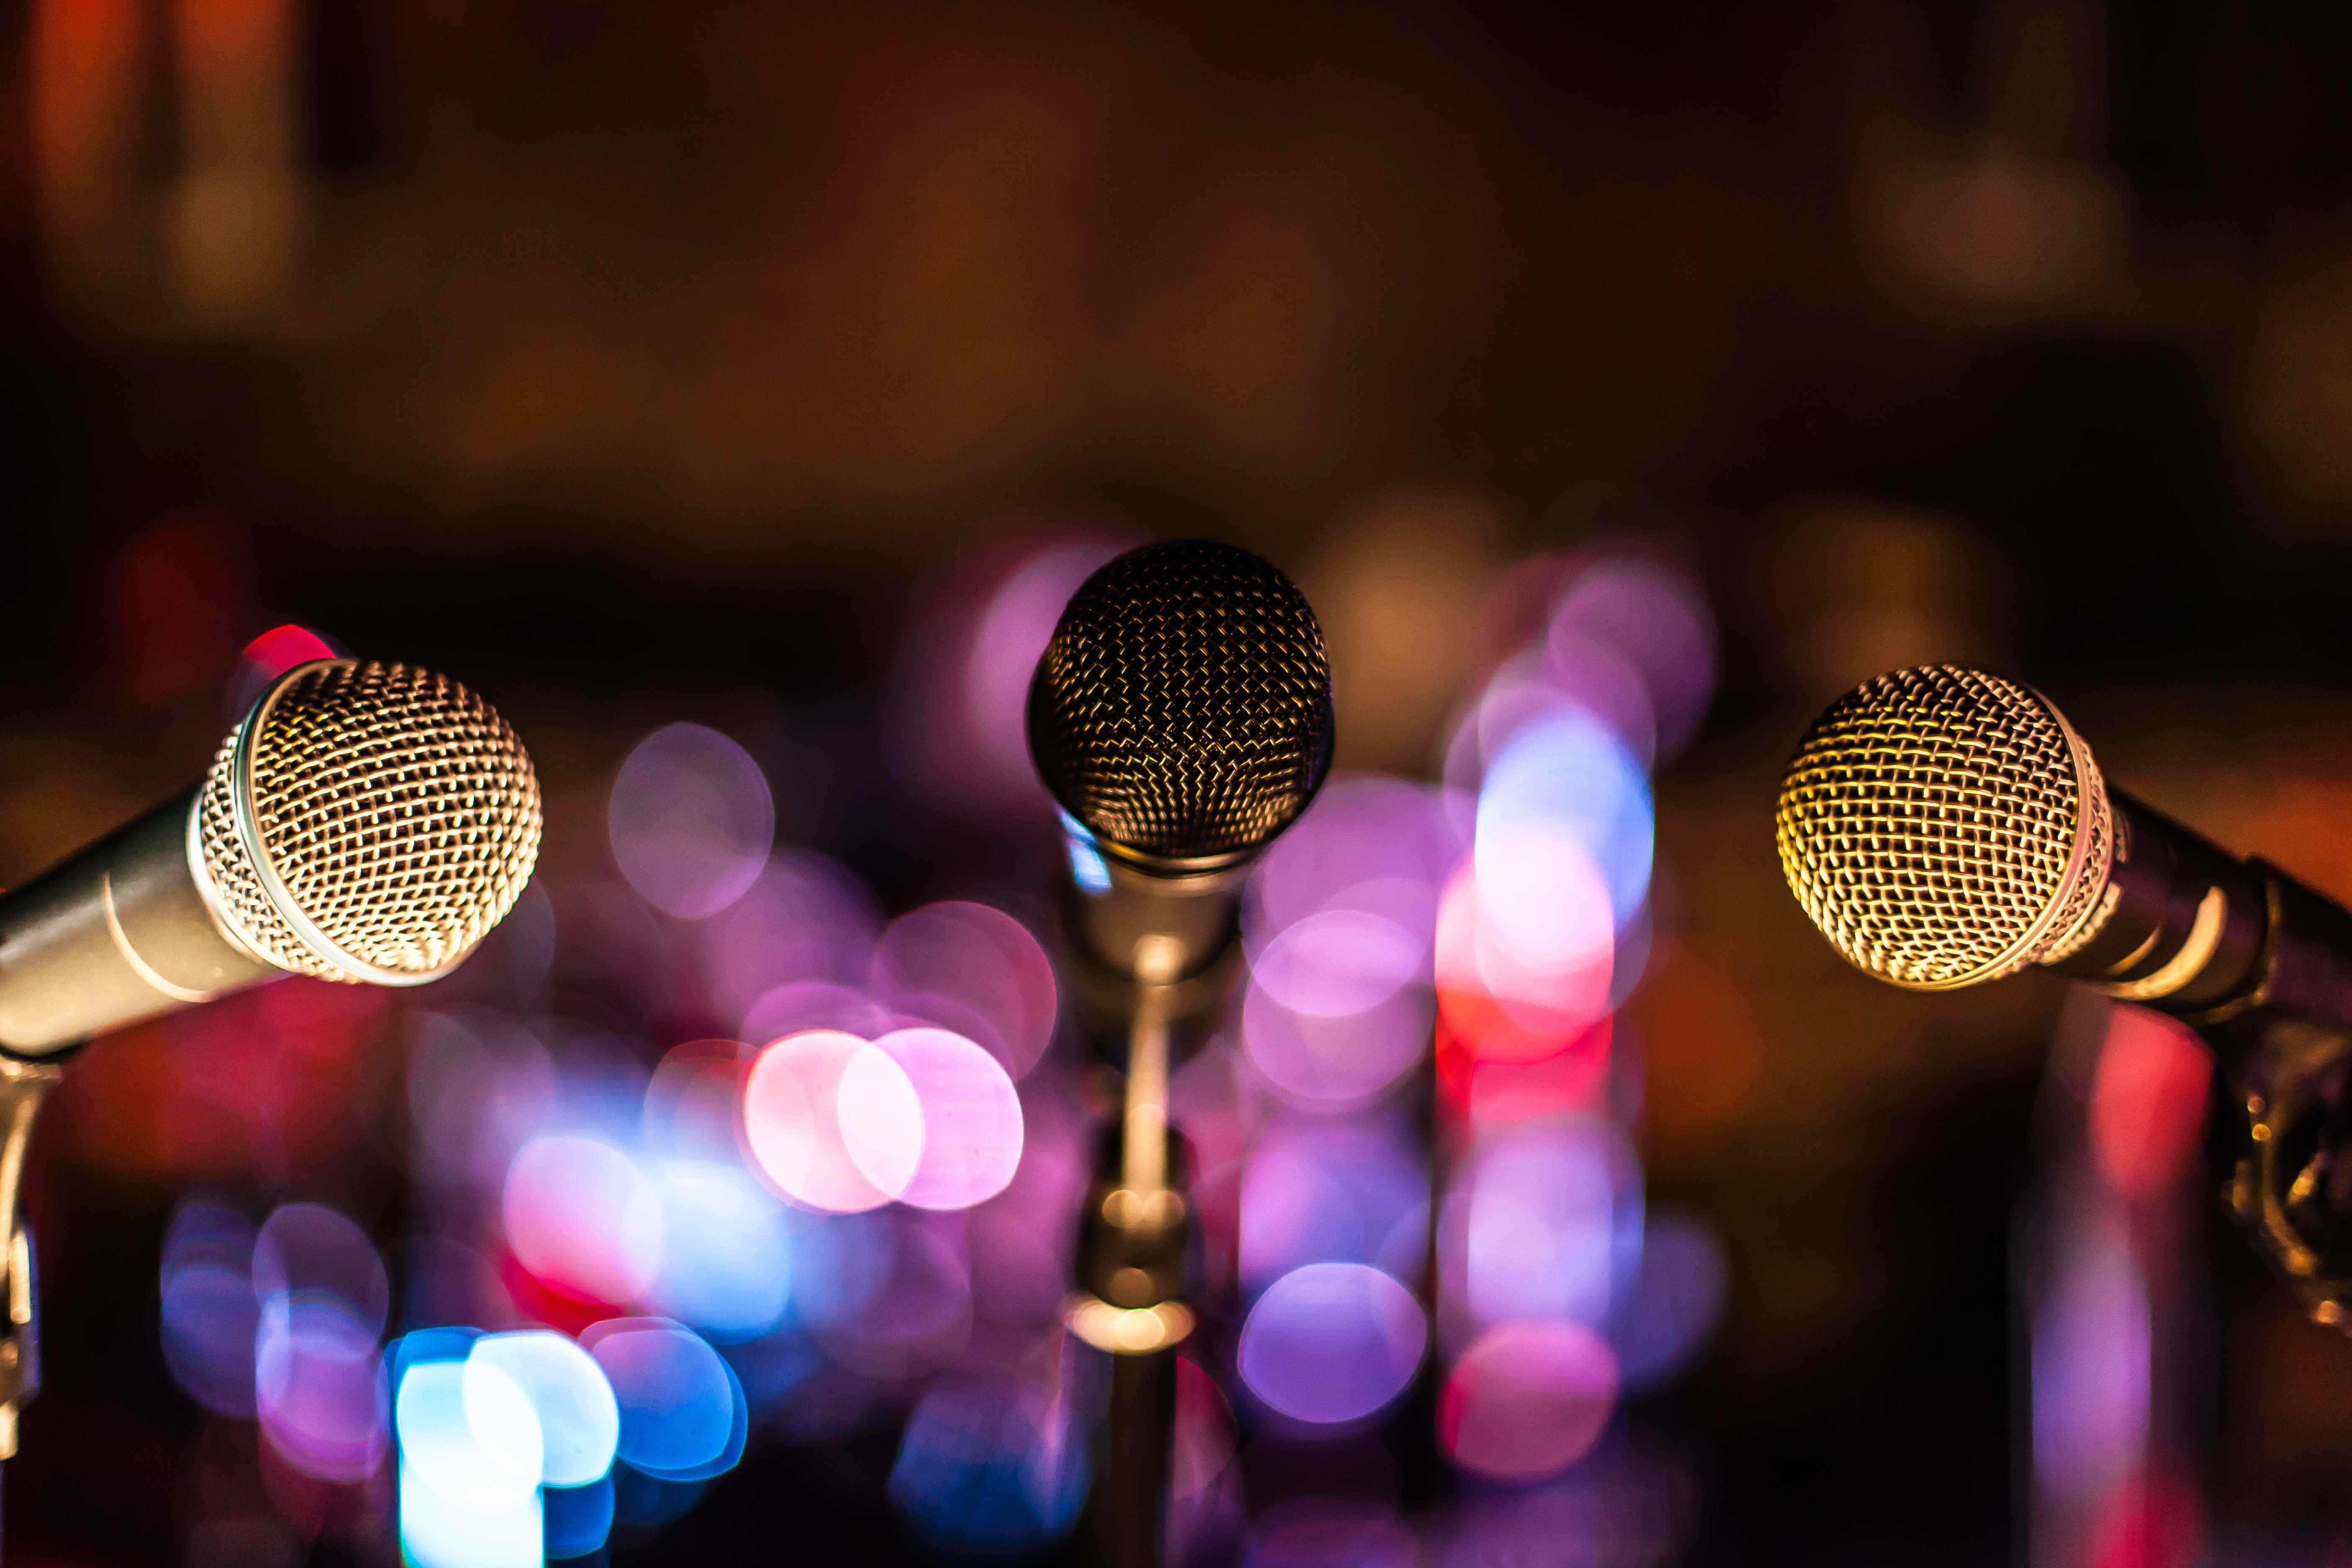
point(323, 1297)
point(572, 1406)
point(833, 1122)
point(1317, 1191)
point(578, 1520)
point(1550, 1222)
point(1334, 1063)
point(440, 1449)
point(913, 1313)
point(682, 1413)
point(1565, 778)
point(1508, 1009)
point(726, 1260)
point(971, 1117)
point(803, 919)
point(1331, 1342)
point(309, 1252)
point(2147, 1102)
point(582, 1218)
point(1677, 1298)
point(1659, 619)
point(210, 1314)
point(691, 820)
point(981, 958)
point(1528, 1399)
point(988, 1469)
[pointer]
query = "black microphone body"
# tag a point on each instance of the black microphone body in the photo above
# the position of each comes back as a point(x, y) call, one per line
point(2198, 932)
point(1943, 827)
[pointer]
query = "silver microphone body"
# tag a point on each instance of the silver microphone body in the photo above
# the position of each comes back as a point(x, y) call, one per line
point(118, 932)
point(1944, 828)
point(366, 822)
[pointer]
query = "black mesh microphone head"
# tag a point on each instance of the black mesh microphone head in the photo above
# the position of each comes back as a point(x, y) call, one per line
point(1182, 712)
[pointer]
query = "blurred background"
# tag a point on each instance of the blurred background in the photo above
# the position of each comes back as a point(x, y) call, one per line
point(733, 394)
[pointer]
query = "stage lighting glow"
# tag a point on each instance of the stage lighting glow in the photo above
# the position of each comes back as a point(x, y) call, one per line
point(437, 1531)
point(987, 1470)
point(971, 1118)
point(1012, 631)
point(1334, 1063)
point(683, 1415)
point(307, 1252)
point(323, 1297)
point(1506, 1009)
point(693, 1103)
point(581, 1217)
point(1564, 778)
point(1527, 1400)
point(727, 1262)
point(441, 1449)
point(2092, 1358)
point(1675, 1302)
point(1331, 1342)
point(579, 1519)
point(1338, 962)
point(1553, 1221)
point(1378, 845)
point(982, 958)
point(2147, 1102)
point(209, 1313)
point(841, 1262)
point(833, 1121)
point(691, 820)
point(317, 1389)
point(1659, 619)
point(804, 919)
point(917, 1314)
point(802, 1005)
point(479, 1086)
point(575, 1423)
point(501, 1417)
point(1326, 1192)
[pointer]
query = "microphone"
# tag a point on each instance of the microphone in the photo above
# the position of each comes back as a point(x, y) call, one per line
point(1182, 718)
point(1944, 828)
point(366, 822)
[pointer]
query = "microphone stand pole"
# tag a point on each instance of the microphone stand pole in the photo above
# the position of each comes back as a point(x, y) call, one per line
point(1131, 1283)
point(23, 1087)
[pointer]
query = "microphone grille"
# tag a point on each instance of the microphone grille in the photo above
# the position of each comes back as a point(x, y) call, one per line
point(1943, 827)
point(368, 822)
point(1183, 711)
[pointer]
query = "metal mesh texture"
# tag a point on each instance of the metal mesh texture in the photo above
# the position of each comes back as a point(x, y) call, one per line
point(1943, 827)
point(1183, 711)
point(398, 811)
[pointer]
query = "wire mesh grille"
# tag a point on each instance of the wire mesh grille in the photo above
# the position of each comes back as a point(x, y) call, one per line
point(1183, 708)
point(398, 811)
point(1943, 827)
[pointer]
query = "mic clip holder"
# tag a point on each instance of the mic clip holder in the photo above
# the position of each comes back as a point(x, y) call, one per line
point(2283, 1040)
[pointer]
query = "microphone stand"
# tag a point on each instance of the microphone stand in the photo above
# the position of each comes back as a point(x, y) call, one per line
point(23, 1087)
point(2284, 1042)
point(1133, 1251)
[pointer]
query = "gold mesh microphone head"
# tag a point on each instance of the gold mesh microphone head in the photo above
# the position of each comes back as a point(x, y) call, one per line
point(1943, 827)
point(366, 822)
